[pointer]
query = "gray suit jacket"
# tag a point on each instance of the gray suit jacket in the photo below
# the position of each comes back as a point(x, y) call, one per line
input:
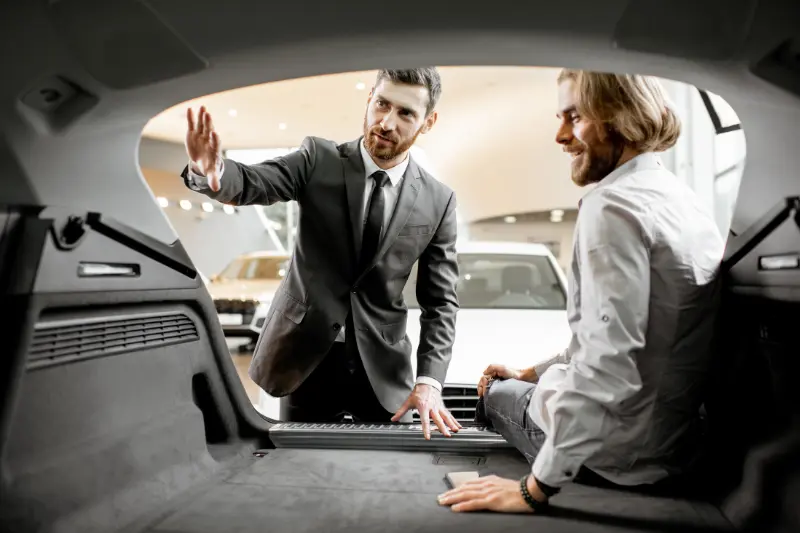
point(323, 283)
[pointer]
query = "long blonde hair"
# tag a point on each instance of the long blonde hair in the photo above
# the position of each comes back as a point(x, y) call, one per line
point(634, 106)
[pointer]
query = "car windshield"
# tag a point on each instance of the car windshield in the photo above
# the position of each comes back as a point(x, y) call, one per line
point(255, 268)
point(502, 281)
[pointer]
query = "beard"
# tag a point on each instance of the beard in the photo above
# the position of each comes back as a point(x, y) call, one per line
point(596, 162)
point(382, 150)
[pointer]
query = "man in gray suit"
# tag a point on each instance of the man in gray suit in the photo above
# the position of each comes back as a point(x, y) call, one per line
point(334, 341)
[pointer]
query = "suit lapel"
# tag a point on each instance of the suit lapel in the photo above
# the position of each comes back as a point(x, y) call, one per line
point(409, 191)
point(355, 180)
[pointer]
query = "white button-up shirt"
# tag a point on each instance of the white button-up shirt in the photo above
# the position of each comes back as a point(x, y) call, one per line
point(623, 398)
point(391, 192)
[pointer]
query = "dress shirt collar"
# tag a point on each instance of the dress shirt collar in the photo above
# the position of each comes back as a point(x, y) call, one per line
point(644, 161)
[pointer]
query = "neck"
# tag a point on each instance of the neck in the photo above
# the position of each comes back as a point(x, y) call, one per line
point(628, 153)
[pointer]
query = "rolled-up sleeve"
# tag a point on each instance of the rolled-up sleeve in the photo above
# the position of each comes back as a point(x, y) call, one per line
point(614, 261)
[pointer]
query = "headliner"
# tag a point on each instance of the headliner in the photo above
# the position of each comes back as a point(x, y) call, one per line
point(128, 58)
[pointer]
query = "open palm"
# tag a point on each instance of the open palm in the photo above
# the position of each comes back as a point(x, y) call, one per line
point(203, 146)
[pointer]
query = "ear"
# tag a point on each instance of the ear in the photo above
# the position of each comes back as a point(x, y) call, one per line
point(430, 120)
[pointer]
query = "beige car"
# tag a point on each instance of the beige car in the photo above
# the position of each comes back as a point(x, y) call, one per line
point(243, 290)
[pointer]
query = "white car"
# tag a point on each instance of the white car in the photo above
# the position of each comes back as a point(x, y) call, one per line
point(243, 291)
point(512, 299)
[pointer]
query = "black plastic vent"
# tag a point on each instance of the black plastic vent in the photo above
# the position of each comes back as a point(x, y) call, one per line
point(67, 341)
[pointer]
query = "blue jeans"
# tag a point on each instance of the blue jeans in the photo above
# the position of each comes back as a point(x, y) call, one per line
point(506, 404)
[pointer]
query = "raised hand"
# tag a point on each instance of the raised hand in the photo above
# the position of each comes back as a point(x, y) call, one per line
point(203, 146)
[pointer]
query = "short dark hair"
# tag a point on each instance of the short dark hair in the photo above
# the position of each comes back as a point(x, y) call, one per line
point(428, 77)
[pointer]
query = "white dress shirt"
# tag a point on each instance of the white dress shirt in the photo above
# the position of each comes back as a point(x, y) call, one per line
point(391, 192)
point(621, 398)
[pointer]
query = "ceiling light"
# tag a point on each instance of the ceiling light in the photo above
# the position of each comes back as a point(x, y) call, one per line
point(186, 204)
point(207, 207)
point(360, 86)
point(556, 215)
point(163, 202)
point(510, 219)
point(282, 126)
point(233, 112)
point(228, 209)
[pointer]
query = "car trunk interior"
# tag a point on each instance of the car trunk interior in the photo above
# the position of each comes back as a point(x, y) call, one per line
point(122, 411)
point(120, 407)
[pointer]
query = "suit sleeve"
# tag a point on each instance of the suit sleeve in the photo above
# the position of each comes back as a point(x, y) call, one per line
point(277, 180)
point(437, 276)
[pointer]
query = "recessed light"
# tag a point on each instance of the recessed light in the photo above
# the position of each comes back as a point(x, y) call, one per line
point(186, 204)
point(557, 212)
point(163, 202)
point(228, 209)
point(233, 112)
point(360, 86)
point(510, 219)
point(207, 207)
point(281, 126)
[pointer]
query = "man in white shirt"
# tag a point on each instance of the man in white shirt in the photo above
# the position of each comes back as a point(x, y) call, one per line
point(334, 341)
point(622, 401)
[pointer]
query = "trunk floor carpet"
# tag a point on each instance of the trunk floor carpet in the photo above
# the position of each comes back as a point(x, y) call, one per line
point(307, 490)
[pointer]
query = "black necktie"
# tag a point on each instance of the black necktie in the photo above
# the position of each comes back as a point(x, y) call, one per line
point(372, 229)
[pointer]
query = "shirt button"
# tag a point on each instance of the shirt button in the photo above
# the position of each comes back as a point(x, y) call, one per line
point(337, 327)
point(605, 318)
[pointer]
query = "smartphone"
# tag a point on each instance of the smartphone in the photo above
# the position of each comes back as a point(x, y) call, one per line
point(456, 479)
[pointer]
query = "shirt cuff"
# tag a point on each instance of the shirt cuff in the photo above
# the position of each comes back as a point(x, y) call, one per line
point(196, 176)
point(554, 468)
point(425, 380)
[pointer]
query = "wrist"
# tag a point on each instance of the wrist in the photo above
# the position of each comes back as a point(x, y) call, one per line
point(535, 491)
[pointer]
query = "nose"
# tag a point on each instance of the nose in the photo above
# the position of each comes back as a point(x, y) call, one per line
point(389, 121)
point(564, 134)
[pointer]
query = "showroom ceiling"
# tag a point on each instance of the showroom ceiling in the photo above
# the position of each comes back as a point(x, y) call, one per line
point(493, 143)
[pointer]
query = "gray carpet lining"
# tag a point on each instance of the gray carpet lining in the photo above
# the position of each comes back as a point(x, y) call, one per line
point(350, 490)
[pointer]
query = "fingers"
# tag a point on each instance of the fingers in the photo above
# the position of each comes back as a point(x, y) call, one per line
point(400, 412)
point(209, 125)
point(450, 420)
point(466, 498)
point(190, 119)
point(201, 120)
point(215, 142)
point(482, 386)
point(424, 417)
point(437, 419)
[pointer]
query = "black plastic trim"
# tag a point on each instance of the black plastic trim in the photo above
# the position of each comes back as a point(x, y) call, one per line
point(382, 437)
point(712, 112)
point(760, 230)
point(172, 256)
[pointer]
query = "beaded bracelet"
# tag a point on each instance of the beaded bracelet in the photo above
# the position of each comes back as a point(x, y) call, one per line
point(534, 504)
